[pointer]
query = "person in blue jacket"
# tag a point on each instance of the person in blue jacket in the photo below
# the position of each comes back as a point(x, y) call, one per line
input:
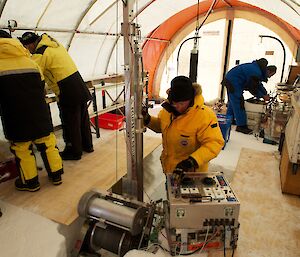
point(246, 77)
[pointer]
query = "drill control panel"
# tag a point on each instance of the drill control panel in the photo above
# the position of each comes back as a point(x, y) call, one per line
point(206, 195)
point(202, 212)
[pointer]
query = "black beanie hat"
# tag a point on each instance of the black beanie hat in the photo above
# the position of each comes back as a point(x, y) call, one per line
point(262, 63)
point(4, 34)
point(28, 38)
point(272, 68)
point(181, 89)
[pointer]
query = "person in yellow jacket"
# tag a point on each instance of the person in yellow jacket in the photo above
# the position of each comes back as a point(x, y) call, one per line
point(25, 115)
point(62, 76)
point(191, 136)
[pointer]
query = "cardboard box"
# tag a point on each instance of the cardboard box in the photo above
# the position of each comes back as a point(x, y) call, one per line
point(255, 107)
point(289, 173)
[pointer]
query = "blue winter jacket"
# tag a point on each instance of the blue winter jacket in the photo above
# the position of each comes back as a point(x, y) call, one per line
point(248, 76)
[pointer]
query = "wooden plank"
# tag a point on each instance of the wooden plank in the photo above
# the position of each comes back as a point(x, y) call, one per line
point(290, 180)
point(292, 132)
point(100, 169)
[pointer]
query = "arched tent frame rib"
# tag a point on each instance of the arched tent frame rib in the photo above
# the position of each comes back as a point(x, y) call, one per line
point(113, 47)
point(289, 34)
point(115, 44)
point(63, 31)
point(79, 22)
point(285, 28)
point(102, 13)
point(43, 13)
point(111, 52)
point(143, 8)
point(226, 2)
point(118, 37)
point(2, 6)
point(290, 6)
point(294, 2)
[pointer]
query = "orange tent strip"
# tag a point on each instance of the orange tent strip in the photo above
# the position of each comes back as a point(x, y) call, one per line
point(153, 49)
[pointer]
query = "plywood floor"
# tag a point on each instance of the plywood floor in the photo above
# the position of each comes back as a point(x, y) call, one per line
point(100, 169)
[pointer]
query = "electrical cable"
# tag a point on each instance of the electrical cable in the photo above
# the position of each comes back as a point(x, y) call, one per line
point(204, 240)
point(190, 38)
point(234, 238)
point(204, 244)
point(207, 14)
point(166, 250)
point(224, 247)
point(233, 249)
point(149, 198)
point(197, 23)
point(197, 28)
point(163, 235)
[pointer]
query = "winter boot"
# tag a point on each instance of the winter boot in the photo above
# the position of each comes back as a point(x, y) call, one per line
point(244, 129)
point(69, 155)
point(30, 185)
point(88, 149)
point(55, 177)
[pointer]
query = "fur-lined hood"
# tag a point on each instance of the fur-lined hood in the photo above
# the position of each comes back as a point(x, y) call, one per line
point(196, 103)
point(198, 89)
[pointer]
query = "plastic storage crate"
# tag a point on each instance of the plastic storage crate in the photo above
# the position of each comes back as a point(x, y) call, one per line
point(225, 126)
point(110, 121)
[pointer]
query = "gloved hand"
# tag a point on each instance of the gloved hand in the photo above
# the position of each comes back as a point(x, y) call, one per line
point(184, 166)
point(187, 164)
point(146, 116)
point(178, 175)
point(266, 98)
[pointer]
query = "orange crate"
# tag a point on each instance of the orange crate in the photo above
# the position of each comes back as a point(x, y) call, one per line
point(110, 121)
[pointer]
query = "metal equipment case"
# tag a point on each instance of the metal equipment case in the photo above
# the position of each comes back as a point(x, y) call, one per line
point(203, 212)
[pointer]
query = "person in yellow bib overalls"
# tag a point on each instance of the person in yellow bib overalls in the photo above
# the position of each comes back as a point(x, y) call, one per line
point(25, 115)
point(62, 76)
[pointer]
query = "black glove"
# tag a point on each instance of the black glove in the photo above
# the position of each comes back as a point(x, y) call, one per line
point(178, 175)
point(146, 116)
point(184, 166)
point(187, 164)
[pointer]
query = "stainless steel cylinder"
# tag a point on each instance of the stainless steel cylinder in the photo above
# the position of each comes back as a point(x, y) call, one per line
point(113, 213)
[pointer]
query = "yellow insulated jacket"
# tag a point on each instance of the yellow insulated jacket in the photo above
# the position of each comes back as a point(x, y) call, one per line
point(14, 56)
point(24, 112)
point(195, 133)
point(61, 74)
point(54, 60)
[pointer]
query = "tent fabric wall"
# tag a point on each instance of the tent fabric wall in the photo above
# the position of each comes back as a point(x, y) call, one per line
point(153, 50)
point(90, 29)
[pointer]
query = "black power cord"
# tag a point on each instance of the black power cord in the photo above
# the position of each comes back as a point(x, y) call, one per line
point(224, 238)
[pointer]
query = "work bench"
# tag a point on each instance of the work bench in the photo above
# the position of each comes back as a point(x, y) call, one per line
point(108, 94)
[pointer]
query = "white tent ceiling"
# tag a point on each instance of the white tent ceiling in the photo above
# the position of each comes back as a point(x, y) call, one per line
point(91, 29)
